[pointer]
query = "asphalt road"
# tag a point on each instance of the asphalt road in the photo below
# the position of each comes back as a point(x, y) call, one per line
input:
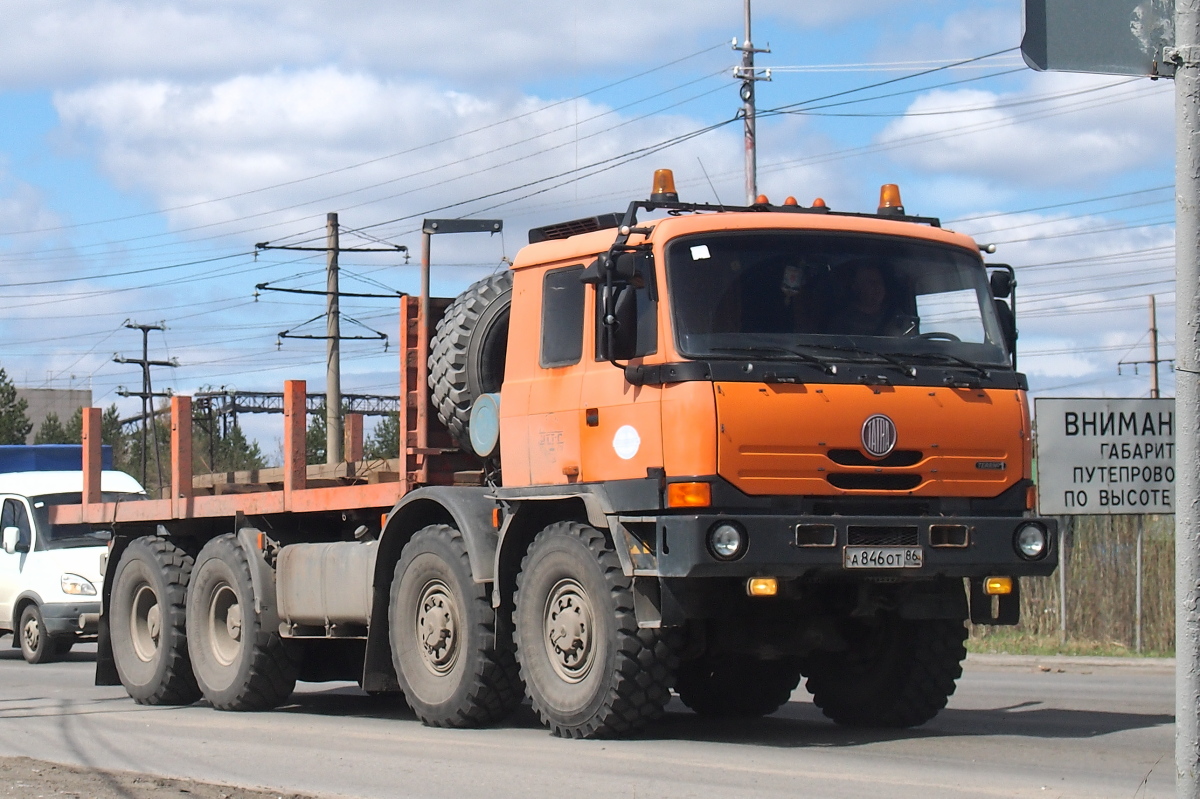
point(1013, 729)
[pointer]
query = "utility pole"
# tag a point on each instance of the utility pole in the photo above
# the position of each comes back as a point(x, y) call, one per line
point(333, 346)
point(334, 440)
point(147, 393)
point(747, 74)
point(1186, 56)
point(1154, 359)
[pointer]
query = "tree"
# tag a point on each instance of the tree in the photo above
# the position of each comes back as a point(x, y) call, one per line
point(315, 438)
point(384, 441)
point(52, 432)
point(14, 424)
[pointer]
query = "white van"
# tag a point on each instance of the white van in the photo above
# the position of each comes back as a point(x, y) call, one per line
point(51, 575)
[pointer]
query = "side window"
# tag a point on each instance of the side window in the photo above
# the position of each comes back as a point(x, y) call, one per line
point(562, 317)
point(646, 296)
point(14, 515)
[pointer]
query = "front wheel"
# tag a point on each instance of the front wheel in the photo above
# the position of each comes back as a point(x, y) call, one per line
point(894, 673)
point(238, 664)
point(588, 669)
point(455, 668)
point(36, 644)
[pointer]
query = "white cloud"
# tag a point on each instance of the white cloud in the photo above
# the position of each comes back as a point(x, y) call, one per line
point(1074, 138)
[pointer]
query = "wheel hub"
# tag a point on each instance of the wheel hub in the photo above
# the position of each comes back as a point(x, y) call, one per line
point(224, 624)
point(145, 623)
point(31, 634)
point(568, 631)
point(437, 627)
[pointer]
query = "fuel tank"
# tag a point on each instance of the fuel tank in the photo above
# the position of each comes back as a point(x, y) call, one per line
point(830, 439)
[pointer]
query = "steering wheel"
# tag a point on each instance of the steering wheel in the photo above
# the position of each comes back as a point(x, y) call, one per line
point(939, 334)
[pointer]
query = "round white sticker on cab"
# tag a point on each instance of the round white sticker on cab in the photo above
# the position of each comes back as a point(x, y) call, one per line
point(626, 442)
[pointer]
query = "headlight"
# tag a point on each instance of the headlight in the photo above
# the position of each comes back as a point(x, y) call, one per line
point(74, 584)
point(1030, 541)
point(727, 541)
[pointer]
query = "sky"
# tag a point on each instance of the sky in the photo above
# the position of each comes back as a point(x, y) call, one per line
point(146, 147)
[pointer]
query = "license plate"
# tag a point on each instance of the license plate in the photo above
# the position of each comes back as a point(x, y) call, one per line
point(882, 558)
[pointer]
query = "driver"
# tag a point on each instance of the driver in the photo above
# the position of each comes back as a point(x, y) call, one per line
point(871, 310)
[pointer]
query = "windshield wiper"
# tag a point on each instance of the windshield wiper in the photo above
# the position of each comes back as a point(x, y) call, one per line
point(907, 369)
point(812, 360)
point(963, 362)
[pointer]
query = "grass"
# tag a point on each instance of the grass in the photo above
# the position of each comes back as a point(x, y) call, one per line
point(1000, 641)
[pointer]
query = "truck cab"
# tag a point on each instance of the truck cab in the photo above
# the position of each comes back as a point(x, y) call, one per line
point(51, 574)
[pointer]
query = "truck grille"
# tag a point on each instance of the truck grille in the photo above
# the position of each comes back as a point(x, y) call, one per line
point(852, 457)
point(875, 482)
point(864, 536)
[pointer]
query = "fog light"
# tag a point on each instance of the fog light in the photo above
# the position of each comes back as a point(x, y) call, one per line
point(997, 586)
point(727, 541)
point(762, 586)
point(1030, 541)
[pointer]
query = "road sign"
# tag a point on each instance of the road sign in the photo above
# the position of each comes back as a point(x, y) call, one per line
point(1105, 456)
point(1114, 37)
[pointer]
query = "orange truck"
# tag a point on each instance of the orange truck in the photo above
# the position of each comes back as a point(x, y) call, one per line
point(686, 447)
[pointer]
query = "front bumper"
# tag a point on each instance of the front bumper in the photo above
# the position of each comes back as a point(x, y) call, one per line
point(71, 618)
point(772, 548)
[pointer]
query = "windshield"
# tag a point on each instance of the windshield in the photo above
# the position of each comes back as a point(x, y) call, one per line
point(59, 536)
point(774, 291)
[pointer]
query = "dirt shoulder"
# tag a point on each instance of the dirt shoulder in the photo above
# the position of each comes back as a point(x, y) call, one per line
point(28, 778)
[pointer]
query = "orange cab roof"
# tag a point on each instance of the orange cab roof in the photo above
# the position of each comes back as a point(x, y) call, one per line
point(588, 245)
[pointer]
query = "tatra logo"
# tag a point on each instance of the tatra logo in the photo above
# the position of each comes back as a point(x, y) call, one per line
point(878, 435)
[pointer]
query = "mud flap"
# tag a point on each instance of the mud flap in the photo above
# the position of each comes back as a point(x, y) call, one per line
point(1002, 610)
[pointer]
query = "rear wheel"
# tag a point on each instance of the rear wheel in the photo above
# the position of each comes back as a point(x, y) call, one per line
point(36, 644)
point(238, 664)
point(146, 622)
point(894, 673)
point(589, 670)
point(732, 686)
point(456, 668)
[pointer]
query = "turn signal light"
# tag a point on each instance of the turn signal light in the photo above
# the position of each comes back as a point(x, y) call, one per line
point(889, 199)
point(1031, 498)
point(663, 189)
point(997, 586)
point(762, 586)
point(689, 495)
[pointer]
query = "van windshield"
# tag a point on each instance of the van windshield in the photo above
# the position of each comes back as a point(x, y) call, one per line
point(819, 292)
point(62, 536)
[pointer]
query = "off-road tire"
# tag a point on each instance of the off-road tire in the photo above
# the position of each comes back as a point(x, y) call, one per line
point(736, 686)
point(467, 354)
point(36, 644)
point(152, 578)
point(629, 671)
point(238, 664)
point(457, 669)
point(896, 673)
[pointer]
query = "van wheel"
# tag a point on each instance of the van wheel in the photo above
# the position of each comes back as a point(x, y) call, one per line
point(736, 686)
point(238, 664)
point(589, 670)
point(36, 644)
point(467, 354)
point(456, 670)
point(146, 622)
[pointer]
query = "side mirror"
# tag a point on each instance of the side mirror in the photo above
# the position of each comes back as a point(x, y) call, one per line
point(12, 540)
point(1008, 324)
point(619, 328)
point(628, 264)
point(1001, 282)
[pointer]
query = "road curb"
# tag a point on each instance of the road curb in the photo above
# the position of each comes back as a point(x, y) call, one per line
point(1054, 662)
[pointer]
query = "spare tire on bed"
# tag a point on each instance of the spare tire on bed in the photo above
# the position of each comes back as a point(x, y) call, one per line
point(467, 354)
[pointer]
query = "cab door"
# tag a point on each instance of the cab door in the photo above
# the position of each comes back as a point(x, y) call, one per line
point(621, 435)
point(13, 513)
